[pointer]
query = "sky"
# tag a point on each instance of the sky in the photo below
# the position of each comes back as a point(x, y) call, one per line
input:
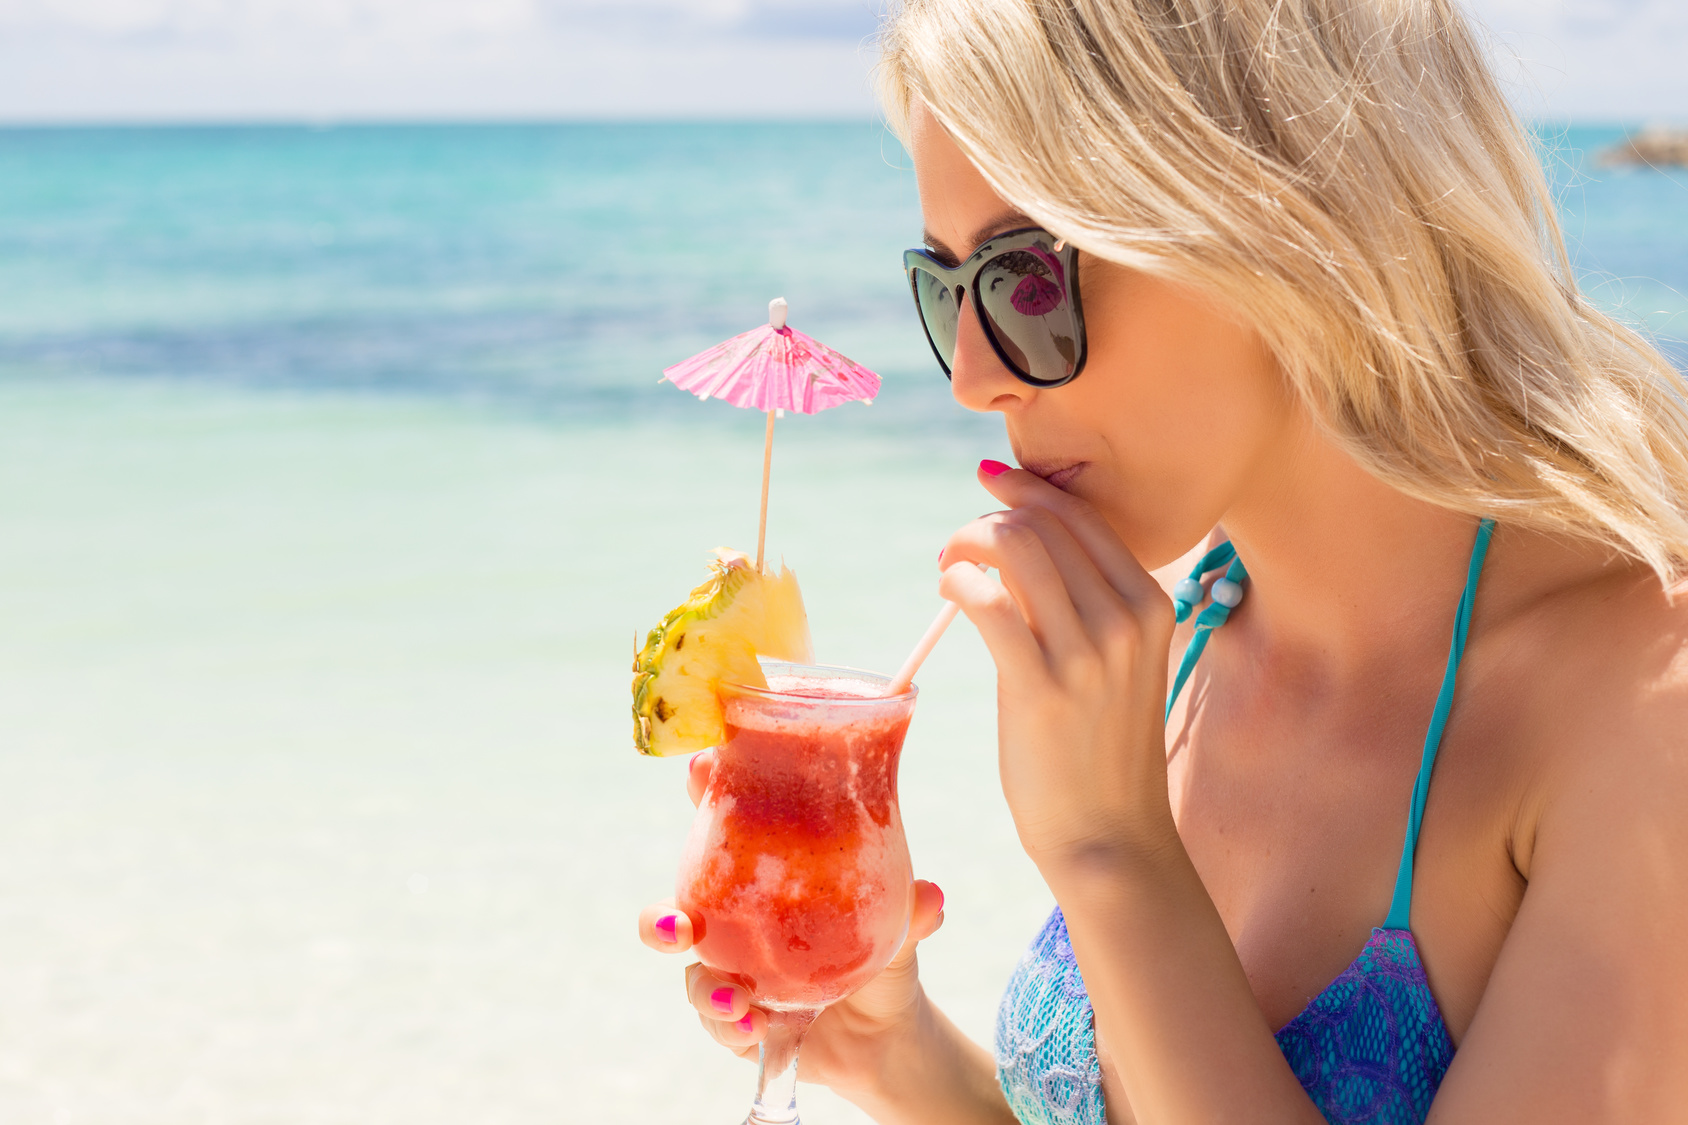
point(331, 60)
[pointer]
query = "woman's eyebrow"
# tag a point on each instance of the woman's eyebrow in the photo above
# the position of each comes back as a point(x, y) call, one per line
point(939, 251)
point(1010, 220)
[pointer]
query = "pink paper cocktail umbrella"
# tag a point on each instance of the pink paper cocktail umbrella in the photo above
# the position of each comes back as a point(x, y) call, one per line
point(774, 368)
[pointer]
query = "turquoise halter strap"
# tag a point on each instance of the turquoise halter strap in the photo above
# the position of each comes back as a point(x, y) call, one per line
point(1189, 593)
point(1400, 907)
point(1227, 593)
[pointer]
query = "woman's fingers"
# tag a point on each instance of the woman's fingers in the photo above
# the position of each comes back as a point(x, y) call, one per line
point(1073, 611)
point(665, 928)
point(1009, 542)
point(928, 914)
point(724, 1010)
point(1100, 606)
point(697, 774)
point(1079, 588)
point(992, 610)
point(714, 997)
point(1021, 489)
point(740, 1037)
point(924, 919)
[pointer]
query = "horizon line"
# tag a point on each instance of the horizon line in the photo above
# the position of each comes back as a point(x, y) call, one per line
point(353, 121)
point(448, 120)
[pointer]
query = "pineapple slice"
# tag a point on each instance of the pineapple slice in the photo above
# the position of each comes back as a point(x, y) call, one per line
point(714, 638)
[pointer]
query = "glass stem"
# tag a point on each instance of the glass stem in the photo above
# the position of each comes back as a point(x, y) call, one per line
point(776, 1080)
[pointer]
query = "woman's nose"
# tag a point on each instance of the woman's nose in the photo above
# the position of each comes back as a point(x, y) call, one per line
point(978, 379)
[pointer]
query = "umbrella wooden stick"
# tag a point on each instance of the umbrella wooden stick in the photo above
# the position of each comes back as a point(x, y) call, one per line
point(778, 309)
point(767, 469)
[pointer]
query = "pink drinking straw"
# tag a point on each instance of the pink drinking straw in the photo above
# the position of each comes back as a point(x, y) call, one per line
point(905, 676)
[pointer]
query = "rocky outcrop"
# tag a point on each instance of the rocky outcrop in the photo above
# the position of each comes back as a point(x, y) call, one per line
point(1655, 147)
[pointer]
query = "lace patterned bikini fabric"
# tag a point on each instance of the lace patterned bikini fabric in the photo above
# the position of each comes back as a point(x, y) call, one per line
point(1045, 1039)
point(1371, 1049)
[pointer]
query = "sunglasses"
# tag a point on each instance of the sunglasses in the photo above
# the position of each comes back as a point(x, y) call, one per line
point(1024, 286)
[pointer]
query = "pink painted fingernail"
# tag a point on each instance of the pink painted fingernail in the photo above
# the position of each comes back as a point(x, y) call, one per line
point(722, 999)
point(994, 468)
point(746, 1025)
point(665, 927)
point(941, 553)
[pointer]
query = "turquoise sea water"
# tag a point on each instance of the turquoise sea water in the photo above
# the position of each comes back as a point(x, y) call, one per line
point(335, 481)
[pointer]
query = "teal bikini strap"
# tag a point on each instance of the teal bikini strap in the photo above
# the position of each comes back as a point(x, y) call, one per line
point(1228, 592)
point(1400, 907)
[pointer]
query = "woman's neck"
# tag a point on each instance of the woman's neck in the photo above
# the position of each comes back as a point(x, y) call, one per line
point(1343, 568)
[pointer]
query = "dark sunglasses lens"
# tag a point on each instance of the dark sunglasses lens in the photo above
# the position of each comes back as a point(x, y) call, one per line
point(938, 311)
point(1025, 295)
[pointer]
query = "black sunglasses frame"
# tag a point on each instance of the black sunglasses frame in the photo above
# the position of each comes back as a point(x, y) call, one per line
point(965, 277)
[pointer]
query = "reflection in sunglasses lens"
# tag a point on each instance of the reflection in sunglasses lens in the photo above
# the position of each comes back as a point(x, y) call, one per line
point(1024, 300)
point(1024, 297)
point(939, 311)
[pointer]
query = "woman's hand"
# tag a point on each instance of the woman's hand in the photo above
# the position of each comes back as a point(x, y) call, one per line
point(1080, 634)
point(849, 1047)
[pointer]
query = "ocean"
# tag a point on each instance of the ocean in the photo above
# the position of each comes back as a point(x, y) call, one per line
point(336, 484)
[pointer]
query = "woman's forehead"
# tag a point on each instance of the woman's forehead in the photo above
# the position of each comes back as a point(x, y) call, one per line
point(960, 208)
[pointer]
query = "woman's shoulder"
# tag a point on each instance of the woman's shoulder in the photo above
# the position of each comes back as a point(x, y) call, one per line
point(1591, 682)
point(1606, 655)
point(1576, 735)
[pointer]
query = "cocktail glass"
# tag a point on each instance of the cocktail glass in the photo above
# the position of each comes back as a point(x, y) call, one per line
point(796, 873)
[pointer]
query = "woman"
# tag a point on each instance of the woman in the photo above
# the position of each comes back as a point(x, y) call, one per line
point(1326, 309)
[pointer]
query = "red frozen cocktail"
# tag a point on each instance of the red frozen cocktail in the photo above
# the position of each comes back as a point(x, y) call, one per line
point(796, 872)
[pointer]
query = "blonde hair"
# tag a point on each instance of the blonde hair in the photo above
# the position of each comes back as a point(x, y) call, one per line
point(1349, 176)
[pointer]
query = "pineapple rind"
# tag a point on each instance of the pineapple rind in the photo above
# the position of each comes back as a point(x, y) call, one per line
point(728, 620)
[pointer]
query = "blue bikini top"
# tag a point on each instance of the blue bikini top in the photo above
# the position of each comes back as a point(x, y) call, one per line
point(1371, 1049)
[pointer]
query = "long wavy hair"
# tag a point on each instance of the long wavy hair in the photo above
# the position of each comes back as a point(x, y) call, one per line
point(1348, 175)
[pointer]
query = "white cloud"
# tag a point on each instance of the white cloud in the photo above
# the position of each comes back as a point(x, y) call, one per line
point(142, 25)
point(340, 59)
point(242, 20)
point(1617, 59)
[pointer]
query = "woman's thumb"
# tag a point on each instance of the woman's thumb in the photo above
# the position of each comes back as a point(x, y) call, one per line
point(926, 917)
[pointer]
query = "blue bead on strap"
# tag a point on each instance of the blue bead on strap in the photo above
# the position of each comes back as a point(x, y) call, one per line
point(1188, 594)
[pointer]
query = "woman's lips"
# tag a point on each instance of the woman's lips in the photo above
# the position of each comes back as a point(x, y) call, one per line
point(1060, 475)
